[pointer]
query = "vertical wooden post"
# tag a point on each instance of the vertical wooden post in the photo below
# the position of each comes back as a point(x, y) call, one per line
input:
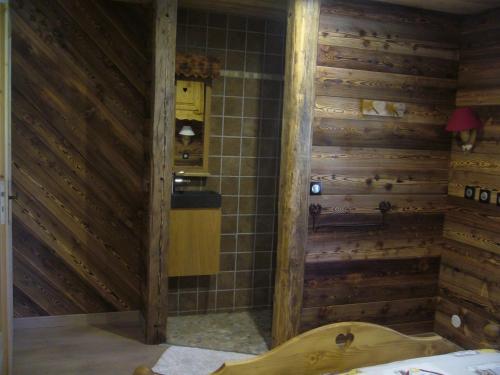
point(160, 169)
point(298, 108)
point(6, 298)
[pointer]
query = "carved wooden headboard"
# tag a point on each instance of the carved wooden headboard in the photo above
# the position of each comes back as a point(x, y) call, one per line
point(335, 348)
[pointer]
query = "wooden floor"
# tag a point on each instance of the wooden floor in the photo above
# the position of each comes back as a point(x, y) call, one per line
point(82, 351)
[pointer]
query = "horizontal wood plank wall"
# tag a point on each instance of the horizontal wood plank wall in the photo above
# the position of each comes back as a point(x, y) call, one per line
point(79, 100)
point(469, 281)
point(385, 275)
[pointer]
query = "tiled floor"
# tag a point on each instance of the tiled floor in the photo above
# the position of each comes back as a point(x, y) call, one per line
point(243, 332)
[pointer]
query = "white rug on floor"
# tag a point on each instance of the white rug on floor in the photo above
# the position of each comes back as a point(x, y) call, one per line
point(182, 360)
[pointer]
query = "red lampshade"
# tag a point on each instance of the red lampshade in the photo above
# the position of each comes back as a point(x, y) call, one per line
point(463, 119)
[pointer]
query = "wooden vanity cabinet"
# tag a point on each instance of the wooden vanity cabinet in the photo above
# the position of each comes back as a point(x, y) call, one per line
point(194, 241)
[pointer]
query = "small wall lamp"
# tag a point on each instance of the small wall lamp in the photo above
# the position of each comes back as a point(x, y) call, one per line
point(186, 132)
point(465, 122)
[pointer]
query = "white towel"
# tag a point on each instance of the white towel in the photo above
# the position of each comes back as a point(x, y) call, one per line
point(182, 360)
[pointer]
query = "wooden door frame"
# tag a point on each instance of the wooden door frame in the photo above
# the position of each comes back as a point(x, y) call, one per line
point(298, 104)
point(6, 299)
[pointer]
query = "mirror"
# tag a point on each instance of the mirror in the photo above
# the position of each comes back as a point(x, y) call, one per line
point(192, 128)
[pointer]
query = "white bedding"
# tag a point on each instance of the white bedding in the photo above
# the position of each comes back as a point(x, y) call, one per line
point(470, 362)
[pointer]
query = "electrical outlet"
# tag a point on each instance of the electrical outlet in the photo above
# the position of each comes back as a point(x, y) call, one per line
point(484, 196)
point(470, 192)
point(315, 188)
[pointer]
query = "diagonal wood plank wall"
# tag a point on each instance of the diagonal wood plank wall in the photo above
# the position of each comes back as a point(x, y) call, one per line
point(382, 52)
point(80, 106)
point(469, 281)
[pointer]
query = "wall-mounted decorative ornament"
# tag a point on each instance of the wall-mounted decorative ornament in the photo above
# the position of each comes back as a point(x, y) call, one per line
point(193, 66)
point(382, 108)
point(465, 123)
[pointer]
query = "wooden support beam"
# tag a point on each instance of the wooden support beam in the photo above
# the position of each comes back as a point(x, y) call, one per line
point(145, 2)
point(268, 8)
point(160, 168)
point(301, 47)
point(6, 298)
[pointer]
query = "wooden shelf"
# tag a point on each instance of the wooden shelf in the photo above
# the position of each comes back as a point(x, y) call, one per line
point(193, 174)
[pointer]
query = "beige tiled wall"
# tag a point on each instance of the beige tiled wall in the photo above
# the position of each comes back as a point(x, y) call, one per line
point(244, 158)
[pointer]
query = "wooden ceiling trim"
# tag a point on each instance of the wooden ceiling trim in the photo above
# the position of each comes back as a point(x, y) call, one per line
point(463, 7)
point(143, 2)
point(259, 8)
point(278, 8)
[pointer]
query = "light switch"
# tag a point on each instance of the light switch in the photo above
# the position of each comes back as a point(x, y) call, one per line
point(315, 188)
